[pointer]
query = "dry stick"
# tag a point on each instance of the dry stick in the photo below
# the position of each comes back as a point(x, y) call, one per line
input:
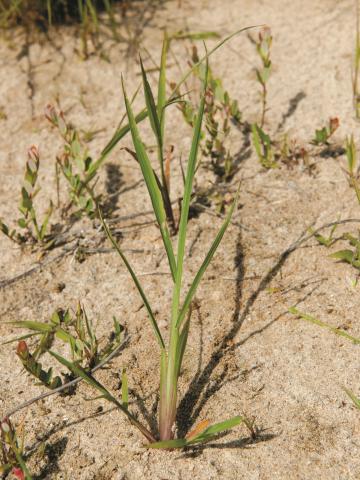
point(68, 384)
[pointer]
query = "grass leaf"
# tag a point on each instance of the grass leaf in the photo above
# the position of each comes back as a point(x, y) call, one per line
point(215, 429)
point(206, 262)
point(124, 389)
point(152, 186)
point(353, 397)
point(320, 323)
point(169, 444)
point(137, 283)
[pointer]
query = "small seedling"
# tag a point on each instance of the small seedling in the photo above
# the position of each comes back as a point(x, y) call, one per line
point(32, 229)
point(12, 452)
point(352, 171)
point(76, 331)
point(220, 112)
point(349, 256)
point(326, 241)
point(263, 48)
point(323, 134)
point(263, 147)
point(75, 163)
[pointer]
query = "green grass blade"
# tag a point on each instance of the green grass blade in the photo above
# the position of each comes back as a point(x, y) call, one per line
point(206, 263)
point(152, 186)
point(315, 321)
point(37, 326)
point(49, 11)
point(151, 107)
point(195, 36)
point(215, 429)
point(353, 397)
point(80, 372)
point(118, 135)
point(124, 389)
point(168, 444)
point(137, 284)
point(182, 344)
point(189, 178)
point(93, 13)
point(23, 337)
point(161, 99)
point(204, 436)
point(207, 55)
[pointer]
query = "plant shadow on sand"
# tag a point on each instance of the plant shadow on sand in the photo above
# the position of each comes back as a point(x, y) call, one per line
point(199, 391)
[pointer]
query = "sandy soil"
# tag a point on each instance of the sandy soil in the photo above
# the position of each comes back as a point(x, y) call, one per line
point(246, 354)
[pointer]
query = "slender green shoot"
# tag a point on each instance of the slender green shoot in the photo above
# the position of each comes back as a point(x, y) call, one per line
point(320, 323)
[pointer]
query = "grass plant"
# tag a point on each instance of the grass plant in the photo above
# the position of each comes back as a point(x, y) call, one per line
point(171, 356)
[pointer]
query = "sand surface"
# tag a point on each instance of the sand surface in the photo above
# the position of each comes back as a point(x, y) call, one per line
point(246, 354)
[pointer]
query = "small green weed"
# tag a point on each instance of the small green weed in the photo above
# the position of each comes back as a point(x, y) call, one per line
point(263, 48)
point(76, 166)
point(12, 452)
point(220, 112)
point(323, 134)
point(263, 147)
point(74, 163)
point(32, 229)
point(353, 170)
point(75, 331)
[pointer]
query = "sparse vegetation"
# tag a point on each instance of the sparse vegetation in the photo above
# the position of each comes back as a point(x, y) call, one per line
point(186, 203)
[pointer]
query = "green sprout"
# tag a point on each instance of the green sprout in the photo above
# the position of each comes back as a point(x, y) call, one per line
point(323, 134)
point(263, 147)
point(12, 452)
point(32, 229)
point(220, 112)
point(75, 331)
point(263, 48)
